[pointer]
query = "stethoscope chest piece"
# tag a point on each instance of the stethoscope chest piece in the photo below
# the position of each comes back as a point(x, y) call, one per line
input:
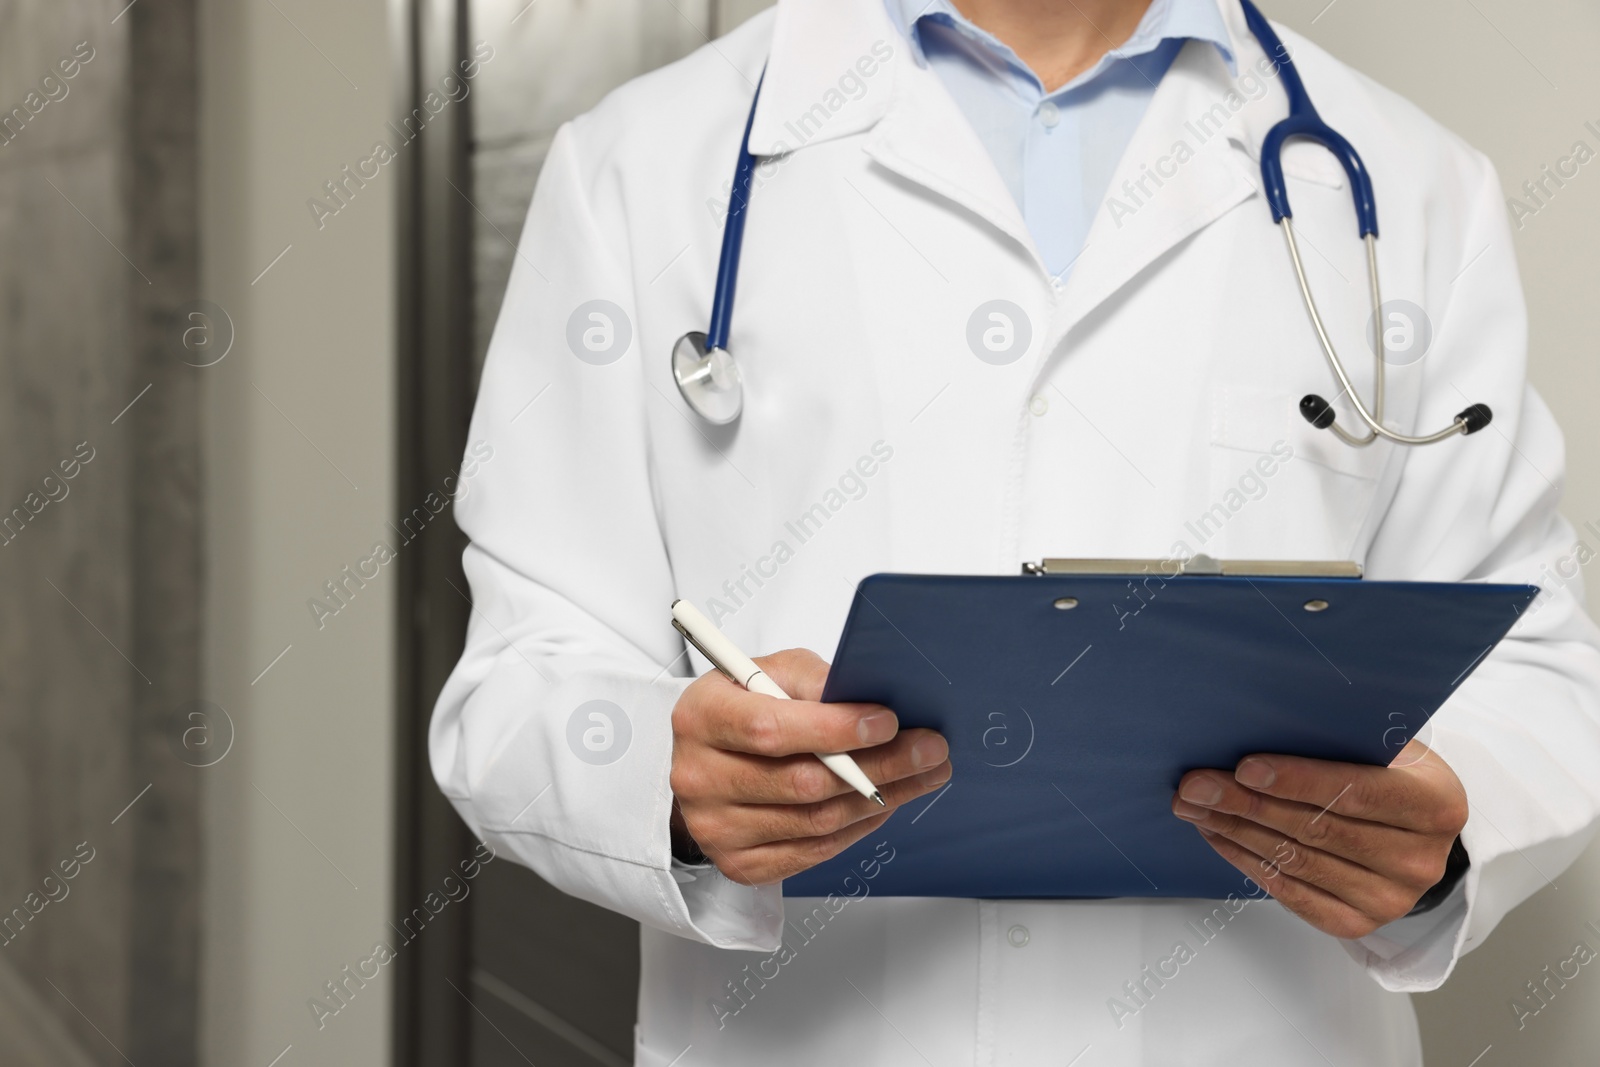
point(708, 379)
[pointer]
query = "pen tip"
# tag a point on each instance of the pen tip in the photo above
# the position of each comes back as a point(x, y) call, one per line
point(879, 798)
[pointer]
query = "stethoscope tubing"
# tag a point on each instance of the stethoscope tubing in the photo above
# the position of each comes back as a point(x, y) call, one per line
point(733, 235)
point(696, 362)
point(1304, 121)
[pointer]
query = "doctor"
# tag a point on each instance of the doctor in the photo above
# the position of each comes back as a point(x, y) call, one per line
point(1010, 289)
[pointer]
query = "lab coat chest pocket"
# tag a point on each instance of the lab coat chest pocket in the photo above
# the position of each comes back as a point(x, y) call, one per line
point(1282, 489)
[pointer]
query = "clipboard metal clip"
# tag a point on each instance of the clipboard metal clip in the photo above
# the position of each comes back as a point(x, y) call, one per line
point(1198, 564)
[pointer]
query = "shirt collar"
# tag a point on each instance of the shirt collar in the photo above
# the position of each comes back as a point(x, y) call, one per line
point(1165, 20)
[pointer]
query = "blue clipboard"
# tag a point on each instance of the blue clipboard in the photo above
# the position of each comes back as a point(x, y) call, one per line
point(1074, 703)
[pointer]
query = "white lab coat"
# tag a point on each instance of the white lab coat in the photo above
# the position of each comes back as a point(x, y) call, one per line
point(1150, 386)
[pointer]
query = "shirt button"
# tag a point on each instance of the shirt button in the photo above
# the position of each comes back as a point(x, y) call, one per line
point(1049, 114)
point(1017, 935)
point(1039, 405)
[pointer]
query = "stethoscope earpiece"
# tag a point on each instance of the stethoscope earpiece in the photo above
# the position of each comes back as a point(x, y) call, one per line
point(1317, 411)
point(1475, 418)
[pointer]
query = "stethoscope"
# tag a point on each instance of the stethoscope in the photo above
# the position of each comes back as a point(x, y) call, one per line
point(710, 382)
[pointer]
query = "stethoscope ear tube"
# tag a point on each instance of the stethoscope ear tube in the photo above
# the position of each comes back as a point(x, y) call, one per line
point(1318, 412)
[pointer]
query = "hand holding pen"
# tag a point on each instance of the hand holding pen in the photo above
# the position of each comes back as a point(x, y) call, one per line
point(749, 787)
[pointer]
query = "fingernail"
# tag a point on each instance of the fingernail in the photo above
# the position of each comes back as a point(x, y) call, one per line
point(1255, 773)
point(929, 752)
point(1202, 790)
point(876, 728)
point(1189, 811)
point(934, 779)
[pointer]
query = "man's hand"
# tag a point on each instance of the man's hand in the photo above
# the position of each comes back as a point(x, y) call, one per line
point(1345, 847)
point(752, 795)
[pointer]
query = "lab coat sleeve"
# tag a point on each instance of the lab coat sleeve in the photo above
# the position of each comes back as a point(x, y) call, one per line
point(553, 735)
point(1523, 731)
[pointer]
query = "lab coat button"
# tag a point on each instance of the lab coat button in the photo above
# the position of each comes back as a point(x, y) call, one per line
point(1039, 405)
point(1049, 114)
point(1017, 935)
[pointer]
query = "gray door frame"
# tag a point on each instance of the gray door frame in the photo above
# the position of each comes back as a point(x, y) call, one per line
point(432, 1023)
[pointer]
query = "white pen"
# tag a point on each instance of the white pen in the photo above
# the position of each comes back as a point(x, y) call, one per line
point(741, 670)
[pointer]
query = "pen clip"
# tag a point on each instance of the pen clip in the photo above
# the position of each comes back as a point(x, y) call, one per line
point(687, 636)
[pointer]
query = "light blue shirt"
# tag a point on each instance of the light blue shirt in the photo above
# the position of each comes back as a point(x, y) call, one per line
point(1056, 151)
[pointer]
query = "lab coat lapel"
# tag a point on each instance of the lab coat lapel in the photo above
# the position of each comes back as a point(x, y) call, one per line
point(916, 129)
point(829, 73)
point(925, 138)
point(1181, 172)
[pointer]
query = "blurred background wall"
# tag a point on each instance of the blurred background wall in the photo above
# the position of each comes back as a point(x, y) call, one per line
point(100, 533)
point(240, 762)
point(300, 439)
point(1518, 80)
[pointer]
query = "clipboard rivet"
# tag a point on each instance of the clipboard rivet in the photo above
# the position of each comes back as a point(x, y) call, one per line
point(1316, 605)
point(1066, 603)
